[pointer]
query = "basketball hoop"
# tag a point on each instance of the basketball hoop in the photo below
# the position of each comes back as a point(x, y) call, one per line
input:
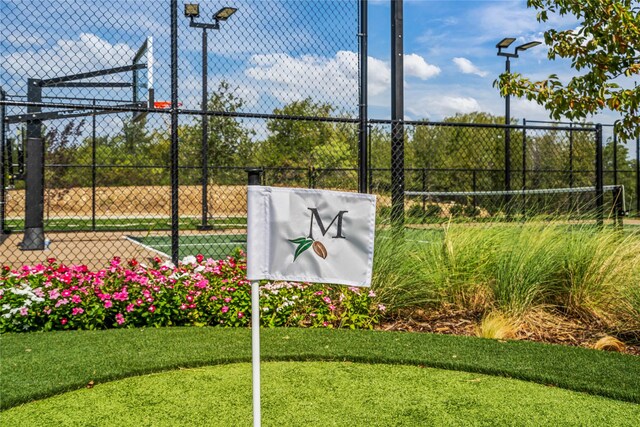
point(164, 105)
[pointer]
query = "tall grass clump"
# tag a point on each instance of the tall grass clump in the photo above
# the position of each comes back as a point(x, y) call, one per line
point(524, 265)
point(516, 269)
point(601, 272)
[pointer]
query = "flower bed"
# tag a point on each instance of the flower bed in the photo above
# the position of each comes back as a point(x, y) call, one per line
point(196, 292)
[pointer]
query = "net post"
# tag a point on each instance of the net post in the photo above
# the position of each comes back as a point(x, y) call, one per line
point(599, 177)
point(618, 197)
point(638, 176)
point(254, 176)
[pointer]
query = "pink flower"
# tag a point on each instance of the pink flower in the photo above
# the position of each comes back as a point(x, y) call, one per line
point(227, 299)
point(189, 298)
point(240, 315)
point(63, 321)
point(152, 308)
point(382, 307)
point(192, 306)
point(121, 296)
point(76, 310)
point(66, 293)
point(372, 294)
point(325, 324)
point(183, 306)
point(47, 311)
point(62, 301)
point(332, 307)
point(129, 308)
point(327, 300)
point(108, 304)
point(76, 299)
point(318, 293)
point(120, 318)
point(224, 309)
point(54, 294)
point(199, 258)
point(24, 311)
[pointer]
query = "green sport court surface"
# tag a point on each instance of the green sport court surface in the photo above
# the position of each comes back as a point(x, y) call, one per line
point(216, 246)
point(219, 246)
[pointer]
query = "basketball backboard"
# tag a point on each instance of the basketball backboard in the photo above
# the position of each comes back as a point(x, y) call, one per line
point(143, 77)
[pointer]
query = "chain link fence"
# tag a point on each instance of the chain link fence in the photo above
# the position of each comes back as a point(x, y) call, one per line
point(128, 131)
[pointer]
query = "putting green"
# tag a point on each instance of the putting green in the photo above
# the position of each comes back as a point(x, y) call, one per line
point(322, 394)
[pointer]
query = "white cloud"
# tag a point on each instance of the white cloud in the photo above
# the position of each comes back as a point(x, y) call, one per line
point(291, 78)
point(467, 67)
point(86, 53)
point(415, 65)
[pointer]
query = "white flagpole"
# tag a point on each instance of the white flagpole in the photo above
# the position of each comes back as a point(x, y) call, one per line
point(255, 350)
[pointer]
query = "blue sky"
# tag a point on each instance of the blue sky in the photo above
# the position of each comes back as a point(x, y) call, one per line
point(275, 52)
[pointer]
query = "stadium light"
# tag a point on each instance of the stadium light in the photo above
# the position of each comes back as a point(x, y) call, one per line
point(191, 11)
point(503, 44)
point(527, 46)
point(224, 13)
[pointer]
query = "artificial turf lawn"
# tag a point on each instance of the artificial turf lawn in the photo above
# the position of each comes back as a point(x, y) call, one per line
point(323, 394)
point(37, 365)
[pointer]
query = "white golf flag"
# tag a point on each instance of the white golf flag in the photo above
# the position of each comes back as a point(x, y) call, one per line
point(315, 236)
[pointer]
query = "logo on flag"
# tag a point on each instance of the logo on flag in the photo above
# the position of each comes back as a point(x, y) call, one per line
point(305, 243)
point(284, 223)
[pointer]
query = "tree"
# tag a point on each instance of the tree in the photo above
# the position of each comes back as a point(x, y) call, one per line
point(229, 143)
point(604, 48)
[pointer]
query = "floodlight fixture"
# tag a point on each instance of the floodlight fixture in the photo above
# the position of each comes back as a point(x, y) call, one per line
point(505, 42)
point(191, 10)
point(527, 46)
point(224, 13)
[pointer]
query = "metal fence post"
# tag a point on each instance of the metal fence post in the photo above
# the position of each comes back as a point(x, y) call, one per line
point(254, 176)
point(599, 177)
point(397, 115)
point(175, 212)
point(638, 176)
point(3, 160)
point(363, 158)
point(524, 168)
point(615, 155)
point(93, 169)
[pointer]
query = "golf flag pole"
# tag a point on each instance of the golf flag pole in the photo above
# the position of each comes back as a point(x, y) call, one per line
point(254, 179)
point(255, 350)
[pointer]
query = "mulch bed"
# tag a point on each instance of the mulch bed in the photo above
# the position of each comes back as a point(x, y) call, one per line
point(546, 328)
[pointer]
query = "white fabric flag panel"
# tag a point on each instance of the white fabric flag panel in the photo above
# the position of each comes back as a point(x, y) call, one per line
point(314, 236)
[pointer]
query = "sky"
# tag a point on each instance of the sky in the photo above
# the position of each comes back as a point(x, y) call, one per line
point(275, 52)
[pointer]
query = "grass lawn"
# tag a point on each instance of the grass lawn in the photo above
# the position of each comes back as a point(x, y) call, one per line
point(38, 365)
point(323, 394)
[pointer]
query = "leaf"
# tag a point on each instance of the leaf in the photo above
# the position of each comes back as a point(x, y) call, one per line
point(298, 240)
point(302, 247)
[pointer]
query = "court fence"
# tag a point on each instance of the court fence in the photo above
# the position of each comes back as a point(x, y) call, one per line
point(114, 145)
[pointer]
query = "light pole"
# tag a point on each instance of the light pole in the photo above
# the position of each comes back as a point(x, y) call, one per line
point(192, 11)
point(503, 44)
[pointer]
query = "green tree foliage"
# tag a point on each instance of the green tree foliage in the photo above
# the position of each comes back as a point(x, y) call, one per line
point(60, 148)
point(300, 151)
point(229, 141)
point(604, 50)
